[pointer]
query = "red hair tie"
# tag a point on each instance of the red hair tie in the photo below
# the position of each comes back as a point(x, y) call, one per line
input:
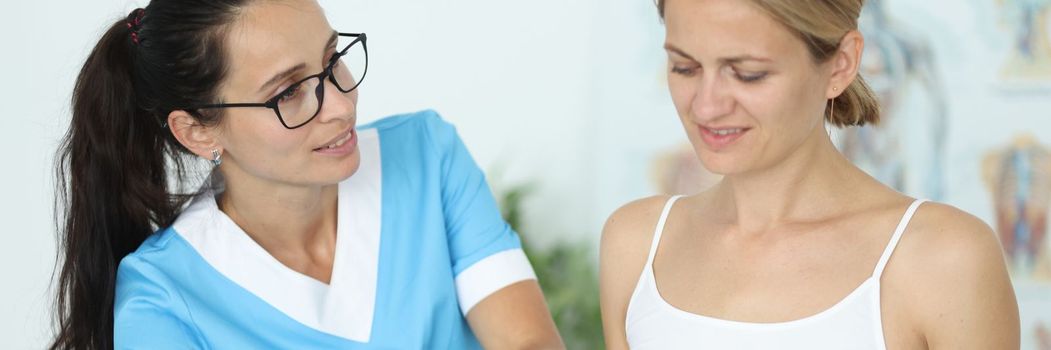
point(134, 23)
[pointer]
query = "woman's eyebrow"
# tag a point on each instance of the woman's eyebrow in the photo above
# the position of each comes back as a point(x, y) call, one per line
point(724, 60)
point(290, 71)
point(281, 76)
point(677, 51)
point(742, 58)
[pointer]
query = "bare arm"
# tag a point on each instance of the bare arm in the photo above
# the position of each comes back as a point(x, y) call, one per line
point(967, 301)
point(625, 246)
point(515, 317)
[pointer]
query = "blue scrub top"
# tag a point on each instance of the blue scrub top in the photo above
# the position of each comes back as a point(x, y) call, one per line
point(419, 242)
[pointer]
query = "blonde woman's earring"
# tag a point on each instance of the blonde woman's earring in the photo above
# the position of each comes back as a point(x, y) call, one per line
point(831, 114)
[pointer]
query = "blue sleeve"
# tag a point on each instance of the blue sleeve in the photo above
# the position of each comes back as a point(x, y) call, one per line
point(147, 313)
point(473, 221)
point(486, 254)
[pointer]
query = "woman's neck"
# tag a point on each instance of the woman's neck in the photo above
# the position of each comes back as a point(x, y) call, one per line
point(812, 184)
point(285, 220)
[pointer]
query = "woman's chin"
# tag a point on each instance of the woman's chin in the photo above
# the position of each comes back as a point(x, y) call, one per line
point(348, 168)
point(339, 172)
point(724, 164)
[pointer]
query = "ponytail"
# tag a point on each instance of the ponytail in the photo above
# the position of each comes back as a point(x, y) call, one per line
point(857, 106)
point(116, 160)
point(112, 177)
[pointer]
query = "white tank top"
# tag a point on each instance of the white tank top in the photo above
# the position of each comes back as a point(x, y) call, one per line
point(853, 323)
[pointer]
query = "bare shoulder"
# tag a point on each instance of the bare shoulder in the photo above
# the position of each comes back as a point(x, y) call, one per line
point(951, 266)
point(627, 236)
point(626, 239)
point(633, 223)
point(949, 238)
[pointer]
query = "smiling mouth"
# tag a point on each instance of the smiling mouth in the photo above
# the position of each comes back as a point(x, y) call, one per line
point(346, 137)
point(718, 139)
point(725, 132)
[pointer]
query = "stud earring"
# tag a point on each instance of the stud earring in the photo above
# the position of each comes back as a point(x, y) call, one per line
point(217, 158)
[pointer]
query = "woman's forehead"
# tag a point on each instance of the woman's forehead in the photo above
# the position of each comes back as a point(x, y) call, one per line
point(726, 28)
point(272, 36)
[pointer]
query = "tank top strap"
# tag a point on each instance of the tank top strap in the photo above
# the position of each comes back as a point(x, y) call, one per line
point(660, 229)
point(889, 250)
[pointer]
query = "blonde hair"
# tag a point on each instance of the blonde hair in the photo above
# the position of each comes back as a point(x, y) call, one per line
point(821, 25)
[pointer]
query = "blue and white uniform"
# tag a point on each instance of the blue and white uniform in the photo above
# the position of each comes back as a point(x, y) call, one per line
point(420, 241)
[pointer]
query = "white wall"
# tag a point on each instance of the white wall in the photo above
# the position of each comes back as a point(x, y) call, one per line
point(510, 75)
point(44, 43)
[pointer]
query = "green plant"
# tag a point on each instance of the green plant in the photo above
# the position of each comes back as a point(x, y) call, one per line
point(567, 276)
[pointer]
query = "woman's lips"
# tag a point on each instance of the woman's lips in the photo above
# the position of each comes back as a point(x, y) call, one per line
point(721, 138)
point(341, 146)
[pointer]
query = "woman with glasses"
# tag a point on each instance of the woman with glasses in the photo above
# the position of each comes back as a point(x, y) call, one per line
point(795, 248)
point(312, 232)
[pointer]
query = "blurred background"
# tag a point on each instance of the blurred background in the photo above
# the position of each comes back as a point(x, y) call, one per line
point(564, 104)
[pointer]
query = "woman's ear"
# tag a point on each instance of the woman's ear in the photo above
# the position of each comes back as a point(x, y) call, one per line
point(196, 137)
point(845, 63)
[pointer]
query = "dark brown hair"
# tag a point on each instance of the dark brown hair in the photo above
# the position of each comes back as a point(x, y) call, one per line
point(118, 167)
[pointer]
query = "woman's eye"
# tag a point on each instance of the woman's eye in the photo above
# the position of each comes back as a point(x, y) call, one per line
point(290, 93)
point(750, 77)
point(684, 71)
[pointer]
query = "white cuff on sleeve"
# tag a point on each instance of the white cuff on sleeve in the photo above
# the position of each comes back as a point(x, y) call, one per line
point(491, 274)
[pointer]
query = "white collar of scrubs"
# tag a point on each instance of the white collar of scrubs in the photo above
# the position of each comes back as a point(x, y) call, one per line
point(345, 306)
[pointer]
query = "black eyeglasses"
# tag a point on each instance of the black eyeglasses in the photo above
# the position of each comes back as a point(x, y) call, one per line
point(295, 106)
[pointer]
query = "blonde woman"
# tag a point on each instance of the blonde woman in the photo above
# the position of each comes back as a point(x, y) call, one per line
point(796, 248)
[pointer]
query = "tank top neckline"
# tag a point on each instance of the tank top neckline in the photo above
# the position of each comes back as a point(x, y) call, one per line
point(873, 281)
